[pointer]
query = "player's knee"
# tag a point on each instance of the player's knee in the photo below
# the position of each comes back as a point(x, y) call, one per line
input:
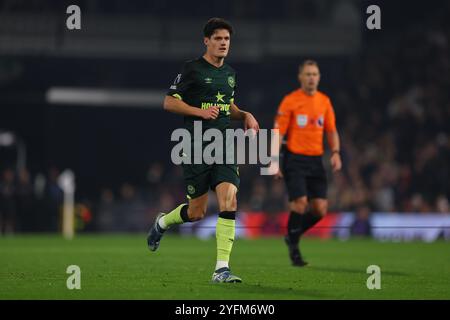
point(196, 214)
point(228, 204)
point(299, 205)
point(320, 209)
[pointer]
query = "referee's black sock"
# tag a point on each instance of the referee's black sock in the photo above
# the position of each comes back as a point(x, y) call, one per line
point(298, 224)
point(309, 220)
point(294, 227)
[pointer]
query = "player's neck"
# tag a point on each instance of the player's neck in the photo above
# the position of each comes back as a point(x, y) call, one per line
point(215, 61)
point(309, 92)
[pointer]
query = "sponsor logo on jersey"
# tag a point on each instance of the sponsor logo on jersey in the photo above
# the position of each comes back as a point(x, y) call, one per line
point(223, 106)
point(219, 96)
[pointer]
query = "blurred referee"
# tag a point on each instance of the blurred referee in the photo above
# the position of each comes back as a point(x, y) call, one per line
point(303, 117)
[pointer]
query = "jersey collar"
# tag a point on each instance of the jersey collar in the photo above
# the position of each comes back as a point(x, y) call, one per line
point(211, 65)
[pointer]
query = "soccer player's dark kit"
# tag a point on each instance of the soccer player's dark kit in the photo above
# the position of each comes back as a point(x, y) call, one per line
point(202, 85)
point(206, 83)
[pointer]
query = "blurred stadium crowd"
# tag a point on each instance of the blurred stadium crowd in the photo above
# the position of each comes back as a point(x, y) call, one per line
point(393, 114)
point(397, 147)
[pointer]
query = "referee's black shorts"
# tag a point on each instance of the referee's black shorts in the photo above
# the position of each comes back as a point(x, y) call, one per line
point(304, 176)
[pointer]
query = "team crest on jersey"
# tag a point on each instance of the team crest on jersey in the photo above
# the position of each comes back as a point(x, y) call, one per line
point(190, 189)
point(302, 120)
point(231, 81)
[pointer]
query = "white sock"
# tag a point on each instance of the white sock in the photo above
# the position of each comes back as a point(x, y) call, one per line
point(162, 224)
point(221, 264)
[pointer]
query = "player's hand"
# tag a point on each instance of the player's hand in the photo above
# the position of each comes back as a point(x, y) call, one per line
point(210, 113)
point(336, 163)
point(250, 122)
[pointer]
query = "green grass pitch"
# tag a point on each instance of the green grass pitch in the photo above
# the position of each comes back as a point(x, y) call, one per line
point(121, 267)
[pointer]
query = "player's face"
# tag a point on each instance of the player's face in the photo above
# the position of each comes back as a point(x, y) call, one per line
point(309, 77)
point(218, 44)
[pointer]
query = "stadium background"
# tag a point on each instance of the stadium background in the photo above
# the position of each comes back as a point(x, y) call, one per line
point(389, 88)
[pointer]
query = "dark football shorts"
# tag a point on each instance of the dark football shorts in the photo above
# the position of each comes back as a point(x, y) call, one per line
point(199, 178)
point(304, 176)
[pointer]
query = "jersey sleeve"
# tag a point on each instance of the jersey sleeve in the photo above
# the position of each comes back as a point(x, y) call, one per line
point(182, 83)
point(330, 119)
point(283, 116)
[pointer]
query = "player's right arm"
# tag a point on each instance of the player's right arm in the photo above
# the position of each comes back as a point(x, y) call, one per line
point(178, 106)
point(183, 83)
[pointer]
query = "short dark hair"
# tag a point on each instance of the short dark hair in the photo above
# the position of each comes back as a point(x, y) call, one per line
point(307, 62)
point(214, 24)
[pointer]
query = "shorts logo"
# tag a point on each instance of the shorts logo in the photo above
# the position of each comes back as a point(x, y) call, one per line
point(302, 120)
point(190, 189)
point(231, 81)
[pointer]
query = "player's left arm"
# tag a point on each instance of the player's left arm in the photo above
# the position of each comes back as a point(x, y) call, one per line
point(334, 143)
point(238, 114)
point(333, 138)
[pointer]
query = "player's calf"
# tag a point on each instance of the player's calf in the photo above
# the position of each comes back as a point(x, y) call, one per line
point(196, 214)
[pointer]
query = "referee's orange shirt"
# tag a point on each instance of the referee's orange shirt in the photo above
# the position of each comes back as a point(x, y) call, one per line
point(304, 118)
